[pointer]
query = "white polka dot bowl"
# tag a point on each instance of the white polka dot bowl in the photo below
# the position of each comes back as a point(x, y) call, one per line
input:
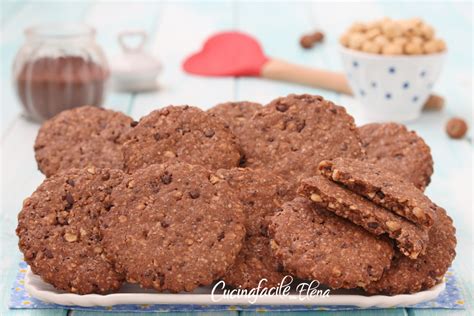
point(391, 88)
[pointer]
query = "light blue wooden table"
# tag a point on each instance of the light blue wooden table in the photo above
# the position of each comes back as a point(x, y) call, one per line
point(177, 28)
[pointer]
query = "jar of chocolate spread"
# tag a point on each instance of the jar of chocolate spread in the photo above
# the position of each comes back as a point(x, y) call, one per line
point(59, 67)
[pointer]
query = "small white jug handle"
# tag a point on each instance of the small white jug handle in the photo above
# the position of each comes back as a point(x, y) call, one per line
point(142, 35)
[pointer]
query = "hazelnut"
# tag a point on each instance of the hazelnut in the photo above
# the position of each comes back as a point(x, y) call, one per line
point(83, 232)
point(412, 26)
point(336, 271)
point(357, 27)
point(344, 40)
point(416, 39)
point(456, 128)
point(393, 37)
point(356, 40)
point(372, 33)
point(374, 25)
point(381, 40)
point(317, 36)
point(418, 212)
point(214, 179)
point(427, 31)
point(413, 48)
point(414, 21)
point(307, 41)
point(178, 195)
point(392, 49)
point(336, 175)
point(435, 102)
point(324, 164)
point(430, 47)
point(315, 198)
point(392, 226)
point(441, 45)
point(70, 237)
point(169, 154)
point(371, 47)
point(91, 170)
point(400, 40)
point(50, 218)
point(273, 245)
point(392, 29)
point(411, 31)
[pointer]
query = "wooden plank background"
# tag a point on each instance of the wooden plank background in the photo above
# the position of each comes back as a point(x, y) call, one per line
point(177, 28)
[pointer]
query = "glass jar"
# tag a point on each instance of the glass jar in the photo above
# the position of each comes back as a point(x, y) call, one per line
point(59, 67)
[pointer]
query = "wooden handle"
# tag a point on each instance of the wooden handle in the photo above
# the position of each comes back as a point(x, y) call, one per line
point(276, 69)
point(281, 70)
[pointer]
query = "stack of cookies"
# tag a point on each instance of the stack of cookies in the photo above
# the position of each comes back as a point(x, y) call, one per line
point(241, 192)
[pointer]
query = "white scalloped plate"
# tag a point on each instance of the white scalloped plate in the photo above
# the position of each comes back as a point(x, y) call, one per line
point(131, 294)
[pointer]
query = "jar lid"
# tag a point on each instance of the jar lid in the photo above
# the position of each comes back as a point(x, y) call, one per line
point(134, 69)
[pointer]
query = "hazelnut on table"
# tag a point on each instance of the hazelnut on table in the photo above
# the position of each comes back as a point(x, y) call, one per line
point(456, 128)
point(308, 40)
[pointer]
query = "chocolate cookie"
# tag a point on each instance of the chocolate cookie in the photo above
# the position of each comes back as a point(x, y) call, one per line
point(393, 147)
point(318, 245)
point(381, 186)
point(59, 233)
point(236, 114)
point(262, 193)
point(410, 276)
point(81, 137)
point(181, 133)
point(291, 135)
point(411, 239)
point(172, 227)
point(254, 264)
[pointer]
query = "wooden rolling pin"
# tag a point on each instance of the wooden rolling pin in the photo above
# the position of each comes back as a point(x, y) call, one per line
point(276, 69)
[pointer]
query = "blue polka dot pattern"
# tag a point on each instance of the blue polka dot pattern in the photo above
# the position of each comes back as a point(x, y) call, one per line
point(391, 70)
point(362, 92)
point(406, 85)
point(374, 84)
point(415, 99)
point(388, 95)
point(355, 64)
point(422, 73)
